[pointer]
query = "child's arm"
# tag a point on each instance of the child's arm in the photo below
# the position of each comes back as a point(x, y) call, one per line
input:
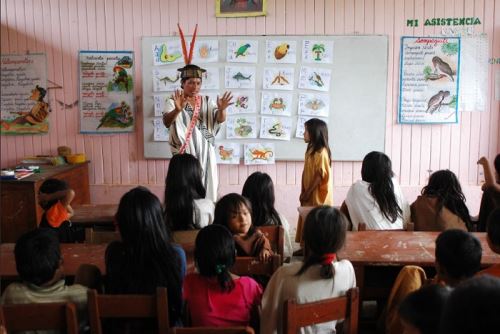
point(489, 180)
point(263, 247)
point(306, 194)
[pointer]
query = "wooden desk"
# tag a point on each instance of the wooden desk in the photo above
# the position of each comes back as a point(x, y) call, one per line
point(94, 214)
point(19, 198)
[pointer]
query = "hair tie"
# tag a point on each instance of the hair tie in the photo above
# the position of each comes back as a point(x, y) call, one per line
point(219, 268)
point(328, 258)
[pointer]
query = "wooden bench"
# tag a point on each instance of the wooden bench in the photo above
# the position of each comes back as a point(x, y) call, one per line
point(90, 215)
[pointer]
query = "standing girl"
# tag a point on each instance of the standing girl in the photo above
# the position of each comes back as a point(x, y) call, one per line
point(317, 184)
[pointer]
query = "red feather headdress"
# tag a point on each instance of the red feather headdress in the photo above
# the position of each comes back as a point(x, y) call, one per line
point(190, 70)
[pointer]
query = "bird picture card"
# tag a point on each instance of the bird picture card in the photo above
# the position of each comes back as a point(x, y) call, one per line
point(206, 51)
point(228, 153)
point(166, 53)
point(314, 104)
point(160, 132)
point(210, 78)
point(166, 79)
point(242, 51)
point(278, 128)
point(429, 80)
point(159, 104)
point(244, 103)
point(315, 78)
point(242, 77)
point(317, 52)
point(279, 78)
point(299, 132)
point(259, 153)
point(281, 52)
point(276, 103)
point(241, 127)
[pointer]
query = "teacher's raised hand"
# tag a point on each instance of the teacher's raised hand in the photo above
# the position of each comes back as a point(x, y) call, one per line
point(224, 101)
point(180, 100)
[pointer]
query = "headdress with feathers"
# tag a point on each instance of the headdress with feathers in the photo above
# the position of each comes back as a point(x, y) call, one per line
point(190, 70)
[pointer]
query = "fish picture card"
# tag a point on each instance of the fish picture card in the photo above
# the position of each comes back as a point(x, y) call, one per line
point(299, 132)
point(228, 153)
point(315, 78)
point(244, 103)
point(278, 128)
point(210, 78)
point(314, 104)
point(166, 53)
point(239, 77)
point(159, 104)
point(160, 132)
point(319, 52)
point(242, 51)
point(166, 79)
point(241, 127)
point(276, 103)
point(280, 78)
point(259, 153)
point(206, 51)
point(281, 52)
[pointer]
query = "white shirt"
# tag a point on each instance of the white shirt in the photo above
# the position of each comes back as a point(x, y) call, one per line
point(203, 212)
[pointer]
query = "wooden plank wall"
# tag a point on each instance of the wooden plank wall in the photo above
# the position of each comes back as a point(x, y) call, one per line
point(60, 28)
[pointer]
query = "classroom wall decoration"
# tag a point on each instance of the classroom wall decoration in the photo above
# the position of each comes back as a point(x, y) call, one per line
point(240, 8)
point(429, 80)
point(259, 153)
point(23, 105)
point(107, 90)
point(228, 153)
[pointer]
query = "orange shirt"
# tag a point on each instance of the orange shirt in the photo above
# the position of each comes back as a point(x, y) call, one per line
point(56, 215)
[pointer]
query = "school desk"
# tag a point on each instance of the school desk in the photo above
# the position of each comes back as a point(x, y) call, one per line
point(89, 215)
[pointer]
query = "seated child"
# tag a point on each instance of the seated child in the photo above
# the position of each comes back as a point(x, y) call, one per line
point(235, 212)
point(493, 238)
point(214, 296)
point(39, 265)
point(491, 191)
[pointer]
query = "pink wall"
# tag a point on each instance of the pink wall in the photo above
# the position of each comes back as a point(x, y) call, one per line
point(60, 28)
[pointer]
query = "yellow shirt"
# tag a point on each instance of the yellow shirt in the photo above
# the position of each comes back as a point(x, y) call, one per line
point(318, 163)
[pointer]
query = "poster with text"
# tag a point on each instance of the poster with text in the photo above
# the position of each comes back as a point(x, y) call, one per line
point(228, 153)
point(279, 78)
point(206, 51)
point(166, 79)
point(159, 104)
point(106, 91)
point(276, 103)
point(319, 52)
point(160, 132)
point(167, 53)
point(259, 153)
point(281, 52)
point(242, 51)
point(23, 94)
point(279, 128)
point(315, 78)
point(429, 80)
point(239, 77)
point(314, 104)
point(241, 127)
point(244, 103)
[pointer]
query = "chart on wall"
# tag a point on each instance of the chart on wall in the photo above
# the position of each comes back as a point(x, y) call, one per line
point(106, 91)
point(429, 85)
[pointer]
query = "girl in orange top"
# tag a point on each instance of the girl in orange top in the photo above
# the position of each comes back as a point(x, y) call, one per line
point(317, 180)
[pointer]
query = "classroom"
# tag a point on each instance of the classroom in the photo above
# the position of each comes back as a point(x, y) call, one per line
point(418, 80)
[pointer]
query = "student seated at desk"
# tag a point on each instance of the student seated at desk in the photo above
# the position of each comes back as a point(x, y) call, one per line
point(491, 191)
point(40, 266)
point(493, 239)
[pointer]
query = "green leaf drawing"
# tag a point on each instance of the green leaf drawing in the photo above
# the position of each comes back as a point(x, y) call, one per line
point(427, 71)
point(453, 103)
point(450, 48)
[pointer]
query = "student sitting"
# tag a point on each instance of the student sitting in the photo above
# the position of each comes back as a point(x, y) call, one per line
point(441, 205)
point(39, 265)
point(214, 296)
point(493, 238)
point(186, 207)
point(319, 276)
point(491, 191)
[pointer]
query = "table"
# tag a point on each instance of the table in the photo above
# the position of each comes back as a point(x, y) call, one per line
point(89, 215)
point(19, 198)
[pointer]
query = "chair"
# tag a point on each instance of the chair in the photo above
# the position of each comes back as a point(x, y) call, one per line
point(248, 265)
point(276, 237)
point(296, 315)
point(97, 236)
point(187, 239)
point(41, 316)
point(212, 330)
point(128, 306)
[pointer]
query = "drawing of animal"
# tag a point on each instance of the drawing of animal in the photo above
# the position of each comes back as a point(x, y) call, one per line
point(242, 102)
point(261, 154)
point(225, 154)
point(442, 67)
point(125, 62)
point(169, 79)
point(239, 76)
point(436, 101)
point(280, 80)
point(121, 76)
point(281, 50)
point(277, 130)
point(168, 58)
point(241, 50)
point(316, 79)
point(117, 116)
point(277, 104)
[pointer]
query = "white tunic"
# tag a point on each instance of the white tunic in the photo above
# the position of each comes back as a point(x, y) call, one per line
point(203, 212)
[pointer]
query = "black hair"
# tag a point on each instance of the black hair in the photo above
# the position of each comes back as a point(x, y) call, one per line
point(183, 185)
point(324, 233)
point(423, 307)
point(496, 163)
point(259, 189)
point(150, 258)
point(51, 186)
point(42, 92)
point(377, 171)
point(38, 256)
point(458, 253)
point(227, 205)
point(215, 254)
point(444, 185)
point(493, 227)
point(473, 307)
point(318, 136)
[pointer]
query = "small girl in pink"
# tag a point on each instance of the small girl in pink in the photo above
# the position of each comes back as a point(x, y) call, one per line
point(215, 297)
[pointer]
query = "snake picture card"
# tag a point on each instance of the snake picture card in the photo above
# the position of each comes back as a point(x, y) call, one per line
point(166, 79)
point(279, 128)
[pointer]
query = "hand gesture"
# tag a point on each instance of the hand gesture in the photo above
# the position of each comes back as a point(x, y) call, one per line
point(179, 100)
point(483, 161)
point(265, 255)
point(224, 101)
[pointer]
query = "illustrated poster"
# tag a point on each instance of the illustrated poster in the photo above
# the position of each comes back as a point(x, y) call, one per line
point(228, 153)
point(239, 77)
point(242, 51)
point(159, 104)
point(318, 52)
point(259, 153)
point(166, 79)
point(276, 103)
point(244, 103)
point(160, 132)
point(315, 78)
point(281, 52)
point(206, 51)
point(167, 53)
point(280, 78)
point(278, 128)
point(241, 127)
point(314, 104)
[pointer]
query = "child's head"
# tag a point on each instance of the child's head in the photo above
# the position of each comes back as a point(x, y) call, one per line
point(215, 254)
point(37, 256)
point(259, 189)
point(234, 212)
point(324, 236)
point(458, 256)
point(421, 310)
point(316, 135)
point(51, 186)
point(376, 167)
point(493, 230)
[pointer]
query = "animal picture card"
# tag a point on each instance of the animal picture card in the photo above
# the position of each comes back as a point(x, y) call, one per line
point(259, 153)
point(314, 104)
point(239, 77)
point(318, 52)
point(206, 51)
point(160, 132)
point(242, 51)
point(299, 132)
point(228, 153)
point(281, 52)
point(210, 78)
point(159, 104)
point(241, 127)
point(278, 128)
point(167, 53)
point(276, 103)
point(244, 103)
point(278, 78)
point(166, 79)
point(315, 78)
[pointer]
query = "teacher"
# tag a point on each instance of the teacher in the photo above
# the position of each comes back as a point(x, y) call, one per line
point(194, 120)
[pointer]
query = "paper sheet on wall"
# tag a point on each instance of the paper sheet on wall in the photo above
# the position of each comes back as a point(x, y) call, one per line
point(281, 52)
point(315, 78)
point(259, 153)
point(299, 132)
point(278, 78)
point(314, 104)
point(239, 77)
point(160, 132)
point(276, 103)
point(319, 52)
point(159, 104)
point(242, 51)
point(241, 127)
point(206, 51)
point(210, 78)
point(244, 103)
point(166, 79)
point(279, 128)
point(167, 53)
point(228, 153)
